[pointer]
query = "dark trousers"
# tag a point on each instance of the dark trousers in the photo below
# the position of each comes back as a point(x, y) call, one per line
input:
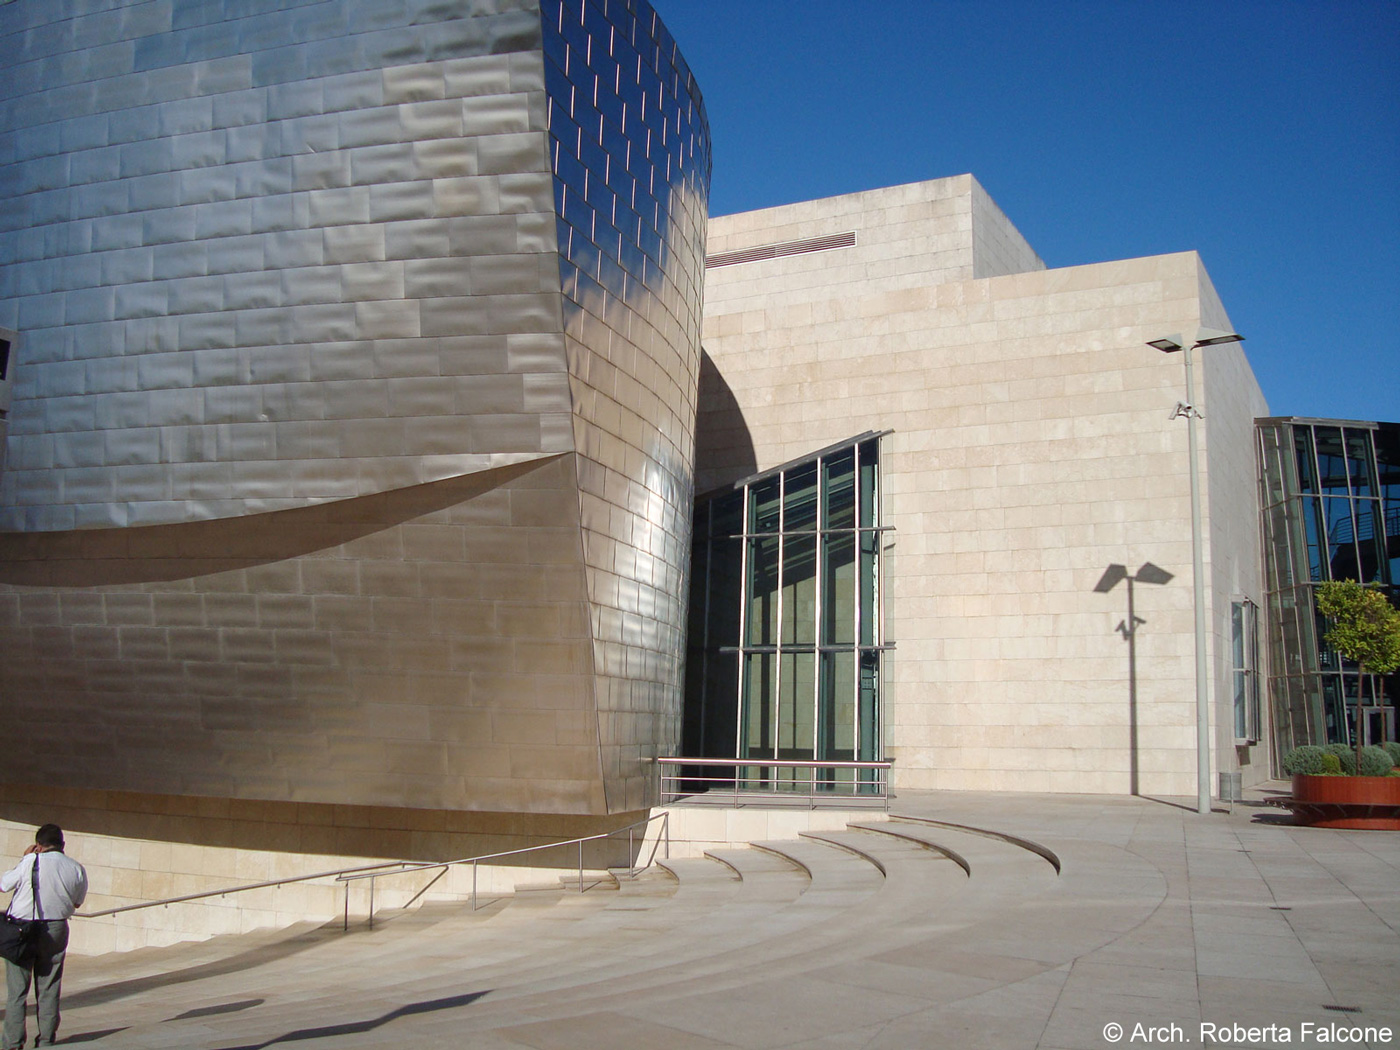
point(45, 972)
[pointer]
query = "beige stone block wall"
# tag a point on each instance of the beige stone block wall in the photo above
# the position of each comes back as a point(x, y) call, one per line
point(1231, 401)
point(906, 236)
point(1031, 448)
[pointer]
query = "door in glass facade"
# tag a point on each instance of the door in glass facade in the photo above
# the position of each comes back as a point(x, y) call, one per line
point(786, 635)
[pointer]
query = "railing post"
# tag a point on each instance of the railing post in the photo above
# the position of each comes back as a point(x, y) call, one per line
point(371, 902)
point(347, 907)
point(473, 885)
point(666, 827)
point(580, 865)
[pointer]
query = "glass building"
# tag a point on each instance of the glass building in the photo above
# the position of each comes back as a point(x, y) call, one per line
point(786, 631)
point(1330, 493)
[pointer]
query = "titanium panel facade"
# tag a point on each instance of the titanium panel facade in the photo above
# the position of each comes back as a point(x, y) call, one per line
point(353, 373)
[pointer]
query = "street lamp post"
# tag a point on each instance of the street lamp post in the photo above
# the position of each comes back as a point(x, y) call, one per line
point(1170, 345)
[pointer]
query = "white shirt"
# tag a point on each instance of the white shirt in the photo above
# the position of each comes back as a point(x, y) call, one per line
point(62, 885)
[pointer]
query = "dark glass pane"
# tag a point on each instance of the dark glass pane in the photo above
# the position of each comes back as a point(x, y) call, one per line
point(1281, 523)
point(1331, 461)
point(1272, 457)
point(870, 749)
point(836, 738)
point(838, 589)
point(699, 583)
point(765, 502)
point(710, 718)
point(869, 483)
point(1359, 465)
point(760, 685)
point(1241, 702)
point(1238, 671)
point(800, 486)
point(726, 591)
point(1369, 548)
point(799, 590)
point(1341, 539)
point(869, 581)
point(1307, 471)
point(1387, 441)
point(796, 711)
point(1312, 522)
point(1327, 657)
point(728, 515)
point(1334, 710)
point(763, 591)
point(839, 490)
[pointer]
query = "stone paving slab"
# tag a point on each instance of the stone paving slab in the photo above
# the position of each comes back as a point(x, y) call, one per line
point(1159, 917)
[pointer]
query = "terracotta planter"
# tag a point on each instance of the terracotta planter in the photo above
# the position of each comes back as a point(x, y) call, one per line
point(1366, 803)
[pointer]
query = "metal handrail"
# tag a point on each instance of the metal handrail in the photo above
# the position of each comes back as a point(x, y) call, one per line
point(739, 787)
point(632, 870)
point(233, 889)
point(375, 871)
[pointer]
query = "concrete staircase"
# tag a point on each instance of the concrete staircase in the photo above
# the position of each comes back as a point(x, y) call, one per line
point(689, 931)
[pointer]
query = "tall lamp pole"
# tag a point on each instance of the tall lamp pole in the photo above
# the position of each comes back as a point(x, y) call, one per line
point(1170, 345)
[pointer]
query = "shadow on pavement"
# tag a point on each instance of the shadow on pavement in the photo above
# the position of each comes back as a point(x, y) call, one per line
point(246, 960)
point(330, 1031)
point(89, 1037)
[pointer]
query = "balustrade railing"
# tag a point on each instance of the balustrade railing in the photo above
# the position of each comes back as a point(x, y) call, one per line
point(811, 781)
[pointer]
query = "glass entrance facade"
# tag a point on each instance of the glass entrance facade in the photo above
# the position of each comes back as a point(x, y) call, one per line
point(1330, 492)
point(786, 633)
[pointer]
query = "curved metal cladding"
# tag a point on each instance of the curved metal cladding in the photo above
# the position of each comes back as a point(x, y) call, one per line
point(316, 487)
point(630, 152)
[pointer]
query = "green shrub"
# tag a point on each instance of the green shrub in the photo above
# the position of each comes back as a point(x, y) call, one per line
point(1331, 764)
point(1375, 762)
point(1346, 755)
point(1392, 748)
point(1309, 758)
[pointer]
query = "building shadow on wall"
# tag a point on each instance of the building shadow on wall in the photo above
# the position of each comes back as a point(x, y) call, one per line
point(724, 450)
point(163, 553)
point(1128, 628)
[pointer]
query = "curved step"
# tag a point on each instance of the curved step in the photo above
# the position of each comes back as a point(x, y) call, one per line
point(734, 920)
point(1030, 845)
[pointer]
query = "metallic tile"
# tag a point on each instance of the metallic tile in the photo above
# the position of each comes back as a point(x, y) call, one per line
point(203, 170)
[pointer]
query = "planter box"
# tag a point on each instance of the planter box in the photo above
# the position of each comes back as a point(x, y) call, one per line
point(1364, 803)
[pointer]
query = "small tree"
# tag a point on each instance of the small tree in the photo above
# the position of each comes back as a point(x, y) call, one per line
point(1365, 628)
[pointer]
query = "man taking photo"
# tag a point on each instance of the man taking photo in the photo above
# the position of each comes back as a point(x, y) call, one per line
point(49, 886)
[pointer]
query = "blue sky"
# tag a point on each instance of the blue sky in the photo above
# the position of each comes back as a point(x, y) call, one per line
point(1264, 134)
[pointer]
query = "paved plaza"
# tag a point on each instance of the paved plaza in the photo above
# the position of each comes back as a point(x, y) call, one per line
point(916, 933)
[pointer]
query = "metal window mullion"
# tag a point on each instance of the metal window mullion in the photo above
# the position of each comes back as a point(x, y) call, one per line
point(858, 579)
point(877, 701)
point(1252, 655)
point(817, 578)
point(705, 625)
point(745, 593)
point(819, 602)
point(778, 630)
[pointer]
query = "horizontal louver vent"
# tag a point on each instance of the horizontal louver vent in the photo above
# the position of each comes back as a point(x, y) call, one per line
point(774, 251)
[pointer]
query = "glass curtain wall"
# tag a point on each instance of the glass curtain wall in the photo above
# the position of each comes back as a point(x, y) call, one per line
point(1330, 492)
point(784, 658)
